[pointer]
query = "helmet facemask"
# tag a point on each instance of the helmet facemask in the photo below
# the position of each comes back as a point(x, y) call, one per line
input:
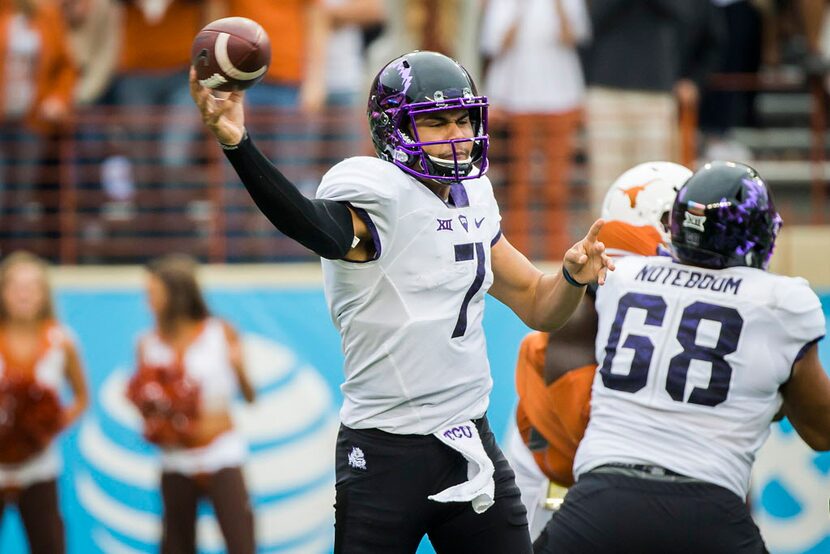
point(409, 153)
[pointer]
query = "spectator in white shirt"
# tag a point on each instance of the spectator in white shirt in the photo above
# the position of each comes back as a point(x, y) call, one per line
point(534, 76)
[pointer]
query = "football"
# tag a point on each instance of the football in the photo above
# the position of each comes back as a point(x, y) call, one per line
point(231, 54)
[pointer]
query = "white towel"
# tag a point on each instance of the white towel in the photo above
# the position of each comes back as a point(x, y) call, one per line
point(479, 489)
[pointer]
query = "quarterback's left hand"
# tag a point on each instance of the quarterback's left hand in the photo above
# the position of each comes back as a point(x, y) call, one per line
point(586, 260)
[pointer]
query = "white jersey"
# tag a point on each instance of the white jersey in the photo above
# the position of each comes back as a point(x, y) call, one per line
point(410, 320)
point(690, 365)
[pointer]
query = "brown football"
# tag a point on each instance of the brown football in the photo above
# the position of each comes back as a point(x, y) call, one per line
point(230, 54)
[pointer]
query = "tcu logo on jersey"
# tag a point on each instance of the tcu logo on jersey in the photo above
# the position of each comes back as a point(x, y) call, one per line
point(463, 220)
point(462, 431)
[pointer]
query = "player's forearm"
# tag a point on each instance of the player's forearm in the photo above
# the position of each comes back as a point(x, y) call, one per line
point(323, 226)
point(807, 399)
point(555, 301)
point(812, 425)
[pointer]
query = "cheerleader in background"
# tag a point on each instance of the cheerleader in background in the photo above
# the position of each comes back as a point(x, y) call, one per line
point(189, 367)
point(37, 354)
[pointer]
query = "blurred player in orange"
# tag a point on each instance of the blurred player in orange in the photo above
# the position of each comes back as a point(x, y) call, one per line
point(37, 356)
point(189, 367)
point(554, 371)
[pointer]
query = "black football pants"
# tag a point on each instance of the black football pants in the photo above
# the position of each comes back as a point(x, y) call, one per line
point(382, 504)
point(620, 514)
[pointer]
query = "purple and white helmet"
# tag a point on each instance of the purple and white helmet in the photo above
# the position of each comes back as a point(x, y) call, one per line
point(420, 83)
point(724, 216)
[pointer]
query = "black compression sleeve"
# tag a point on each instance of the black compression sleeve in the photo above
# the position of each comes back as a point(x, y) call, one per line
point(324, 226)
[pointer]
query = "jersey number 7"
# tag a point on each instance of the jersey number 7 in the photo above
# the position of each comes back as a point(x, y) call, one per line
point(731, 324)
point(463, 253)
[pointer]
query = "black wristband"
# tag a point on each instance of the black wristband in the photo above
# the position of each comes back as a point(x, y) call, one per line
point(569, 278)
point(323, 226)
point(234, 146)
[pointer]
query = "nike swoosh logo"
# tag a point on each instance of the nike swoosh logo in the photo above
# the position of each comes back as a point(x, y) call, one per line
point(478, 222)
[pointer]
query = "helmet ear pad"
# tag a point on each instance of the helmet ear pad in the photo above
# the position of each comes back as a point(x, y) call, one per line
point(724, 216)
point(380, 124)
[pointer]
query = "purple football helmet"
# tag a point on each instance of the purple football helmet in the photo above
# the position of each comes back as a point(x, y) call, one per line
point(419, 83)
point(724, 216)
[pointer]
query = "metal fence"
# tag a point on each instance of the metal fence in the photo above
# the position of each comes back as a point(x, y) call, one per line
point(124, 185)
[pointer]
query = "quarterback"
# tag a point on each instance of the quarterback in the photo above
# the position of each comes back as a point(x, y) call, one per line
point(411, 243)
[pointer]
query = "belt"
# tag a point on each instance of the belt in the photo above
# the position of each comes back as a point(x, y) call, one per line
point(645, 471)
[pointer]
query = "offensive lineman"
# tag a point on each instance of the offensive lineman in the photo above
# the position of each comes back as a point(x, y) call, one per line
point(554, 371)
point(411, 242)
point(696, 358)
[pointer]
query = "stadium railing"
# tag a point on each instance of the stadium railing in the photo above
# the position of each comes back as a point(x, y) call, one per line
point(124, 185)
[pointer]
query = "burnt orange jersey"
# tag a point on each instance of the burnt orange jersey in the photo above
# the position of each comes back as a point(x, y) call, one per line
point(623, 239)
point(552, 418)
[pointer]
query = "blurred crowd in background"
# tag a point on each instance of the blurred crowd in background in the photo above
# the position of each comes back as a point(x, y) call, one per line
point(99, 140)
